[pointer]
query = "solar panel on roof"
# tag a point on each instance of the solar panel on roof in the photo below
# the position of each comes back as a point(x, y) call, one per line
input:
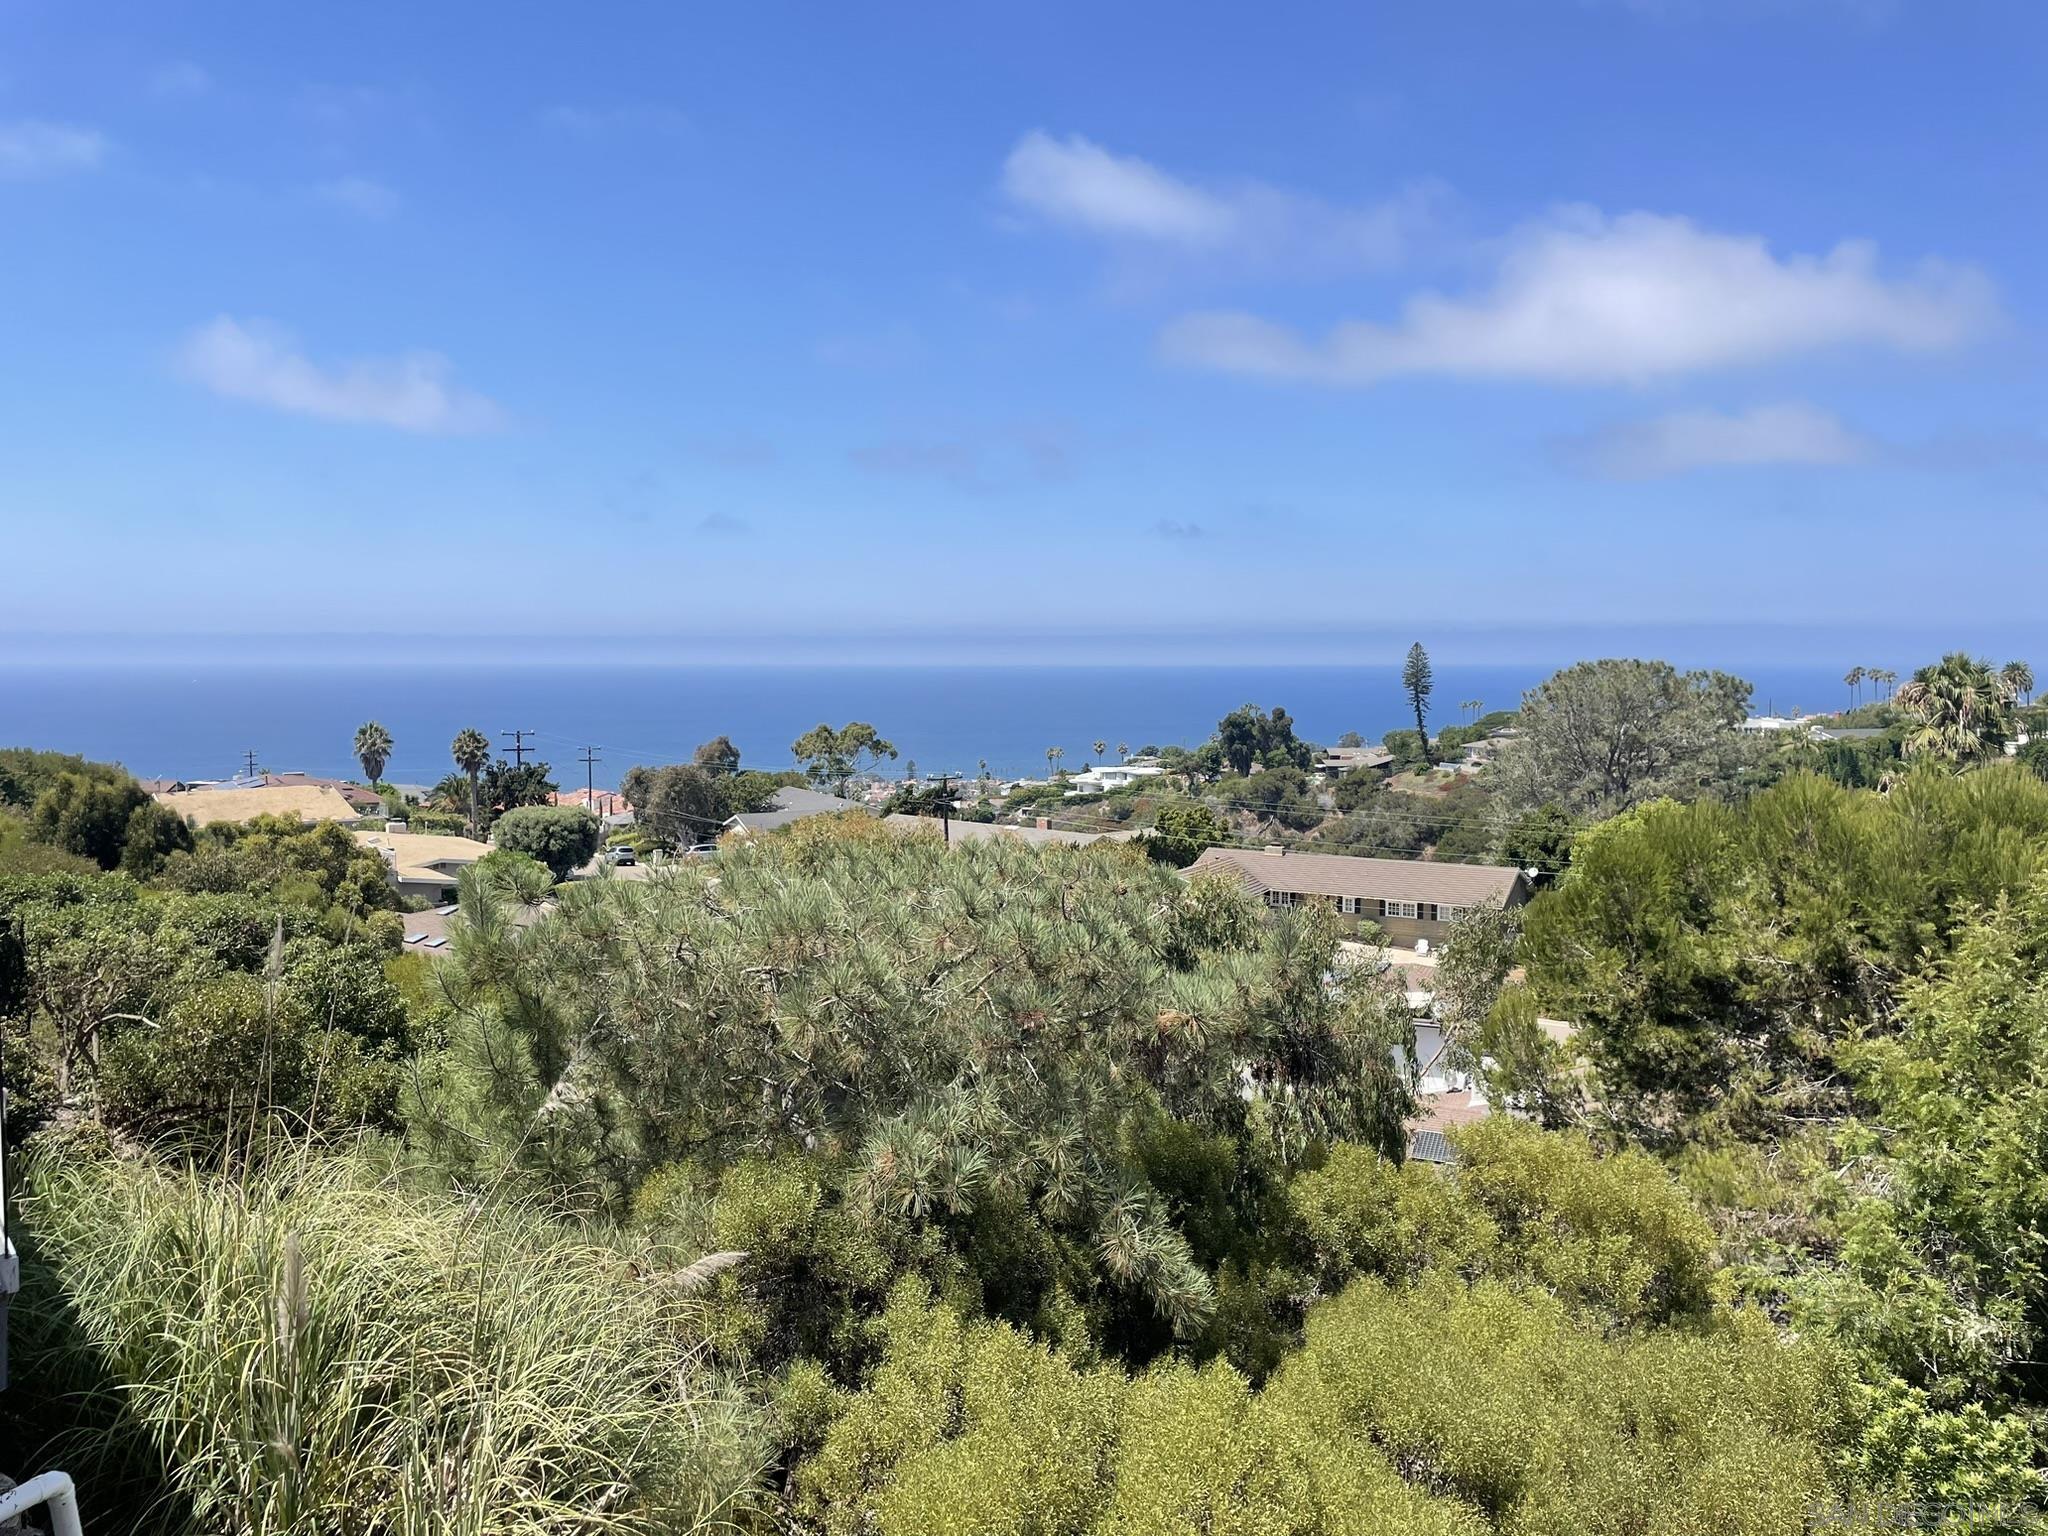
point(415, 938)
point(435, 943)
point(449, 910)
point(1429, 1147)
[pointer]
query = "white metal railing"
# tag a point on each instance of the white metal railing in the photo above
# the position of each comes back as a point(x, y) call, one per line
point(53, 1489)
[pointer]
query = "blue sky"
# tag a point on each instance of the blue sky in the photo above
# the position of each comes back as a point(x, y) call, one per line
point(950, 327)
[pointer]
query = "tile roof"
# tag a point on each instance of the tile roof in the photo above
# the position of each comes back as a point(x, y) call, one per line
point(301, 802)
point(1329, 874)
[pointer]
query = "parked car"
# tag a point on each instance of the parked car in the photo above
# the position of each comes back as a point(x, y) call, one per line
point(701, 851)
point(622, 855)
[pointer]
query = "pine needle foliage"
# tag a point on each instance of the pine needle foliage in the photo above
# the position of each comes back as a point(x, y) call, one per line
point(952, 1026)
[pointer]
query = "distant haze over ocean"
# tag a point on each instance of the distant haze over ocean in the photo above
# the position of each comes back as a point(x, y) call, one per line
point(195, 718)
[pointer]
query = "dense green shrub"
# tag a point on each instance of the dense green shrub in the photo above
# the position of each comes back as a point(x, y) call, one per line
point(1444, 1408)
point(563, 837)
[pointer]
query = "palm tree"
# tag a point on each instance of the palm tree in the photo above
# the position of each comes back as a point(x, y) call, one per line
point(1964, 709)
point(1123, 751)
point(2019, 677)
point(373, 750)
point(1853, 680)
point(472, 752)
point(1101, 750)
point(1052, 759)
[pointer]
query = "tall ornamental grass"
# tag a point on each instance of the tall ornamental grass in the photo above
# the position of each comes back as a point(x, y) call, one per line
point(319, 1348)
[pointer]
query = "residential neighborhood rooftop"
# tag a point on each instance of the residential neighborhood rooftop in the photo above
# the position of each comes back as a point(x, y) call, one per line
point(1329, 874)
point(791, 803)
point(301, 802)
point(423, 856)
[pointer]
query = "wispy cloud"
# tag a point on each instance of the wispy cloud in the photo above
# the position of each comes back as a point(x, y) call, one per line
point(31, 148)
point(1583, 298)
point(1789, 433)
point(262, 364)
point(734, 450)
point(883, 350)
point(722, 523)
point(977, 460)
point(179, 80)
point(1076, 184)
point(953, 460)
point(590, 124)
point(359, 195)
point(1177, 530)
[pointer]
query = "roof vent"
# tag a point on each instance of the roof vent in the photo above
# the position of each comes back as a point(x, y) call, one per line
point(1275, 850)
point(394, 826)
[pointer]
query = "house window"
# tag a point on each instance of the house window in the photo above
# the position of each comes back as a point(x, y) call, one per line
point(1281, 898)
point(1449, 914)
point(1348, 905)
point(1398, 908)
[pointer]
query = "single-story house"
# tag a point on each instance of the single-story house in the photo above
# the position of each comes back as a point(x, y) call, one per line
point(306, 803)
point(428, 933)
point(361, 796)
point(424, 864)
point(1338, 761)
point(1108, 776)
point(1410, 899)
point(1008, 831)
point(790, 803)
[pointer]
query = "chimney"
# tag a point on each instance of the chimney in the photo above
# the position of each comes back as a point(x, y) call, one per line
point(395, 826)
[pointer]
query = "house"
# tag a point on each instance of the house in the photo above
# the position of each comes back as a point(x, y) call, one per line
point(1007, 831)
point(361, 796)
point(1335, 762)
point(1767, 724)
point(1408, 898)
point(789, 804)
point(1108, 776)
point(424, 864)
point(428, 933)
point(306, 803)
point(602, 803)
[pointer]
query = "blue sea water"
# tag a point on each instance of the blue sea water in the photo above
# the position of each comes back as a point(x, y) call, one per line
point(195, 720)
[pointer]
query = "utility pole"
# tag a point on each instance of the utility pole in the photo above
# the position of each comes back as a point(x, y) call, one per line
point(249, 763)
point(943, 798)
point(519, 747)
point(588, 760)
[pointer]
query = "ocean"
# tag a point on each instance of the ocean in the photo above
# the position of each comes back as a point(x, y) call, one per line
point(197, 720)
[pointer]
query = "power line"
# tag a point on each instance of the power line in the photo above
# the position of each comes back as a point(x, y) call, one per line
point(519, 747)
point(589, 762)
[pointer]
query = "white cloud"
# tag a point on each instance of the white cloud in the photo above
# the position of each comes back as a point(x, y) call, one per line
point(1582, 298)
point(30, 148)
point(359, 195)
point(179, 80)
point(259, 363)
point(1079, 185)
point(1791, 433)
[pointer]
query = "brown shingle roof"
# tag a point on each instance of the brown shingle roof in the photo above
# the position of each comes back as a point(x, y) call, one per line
point(1330, 874)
